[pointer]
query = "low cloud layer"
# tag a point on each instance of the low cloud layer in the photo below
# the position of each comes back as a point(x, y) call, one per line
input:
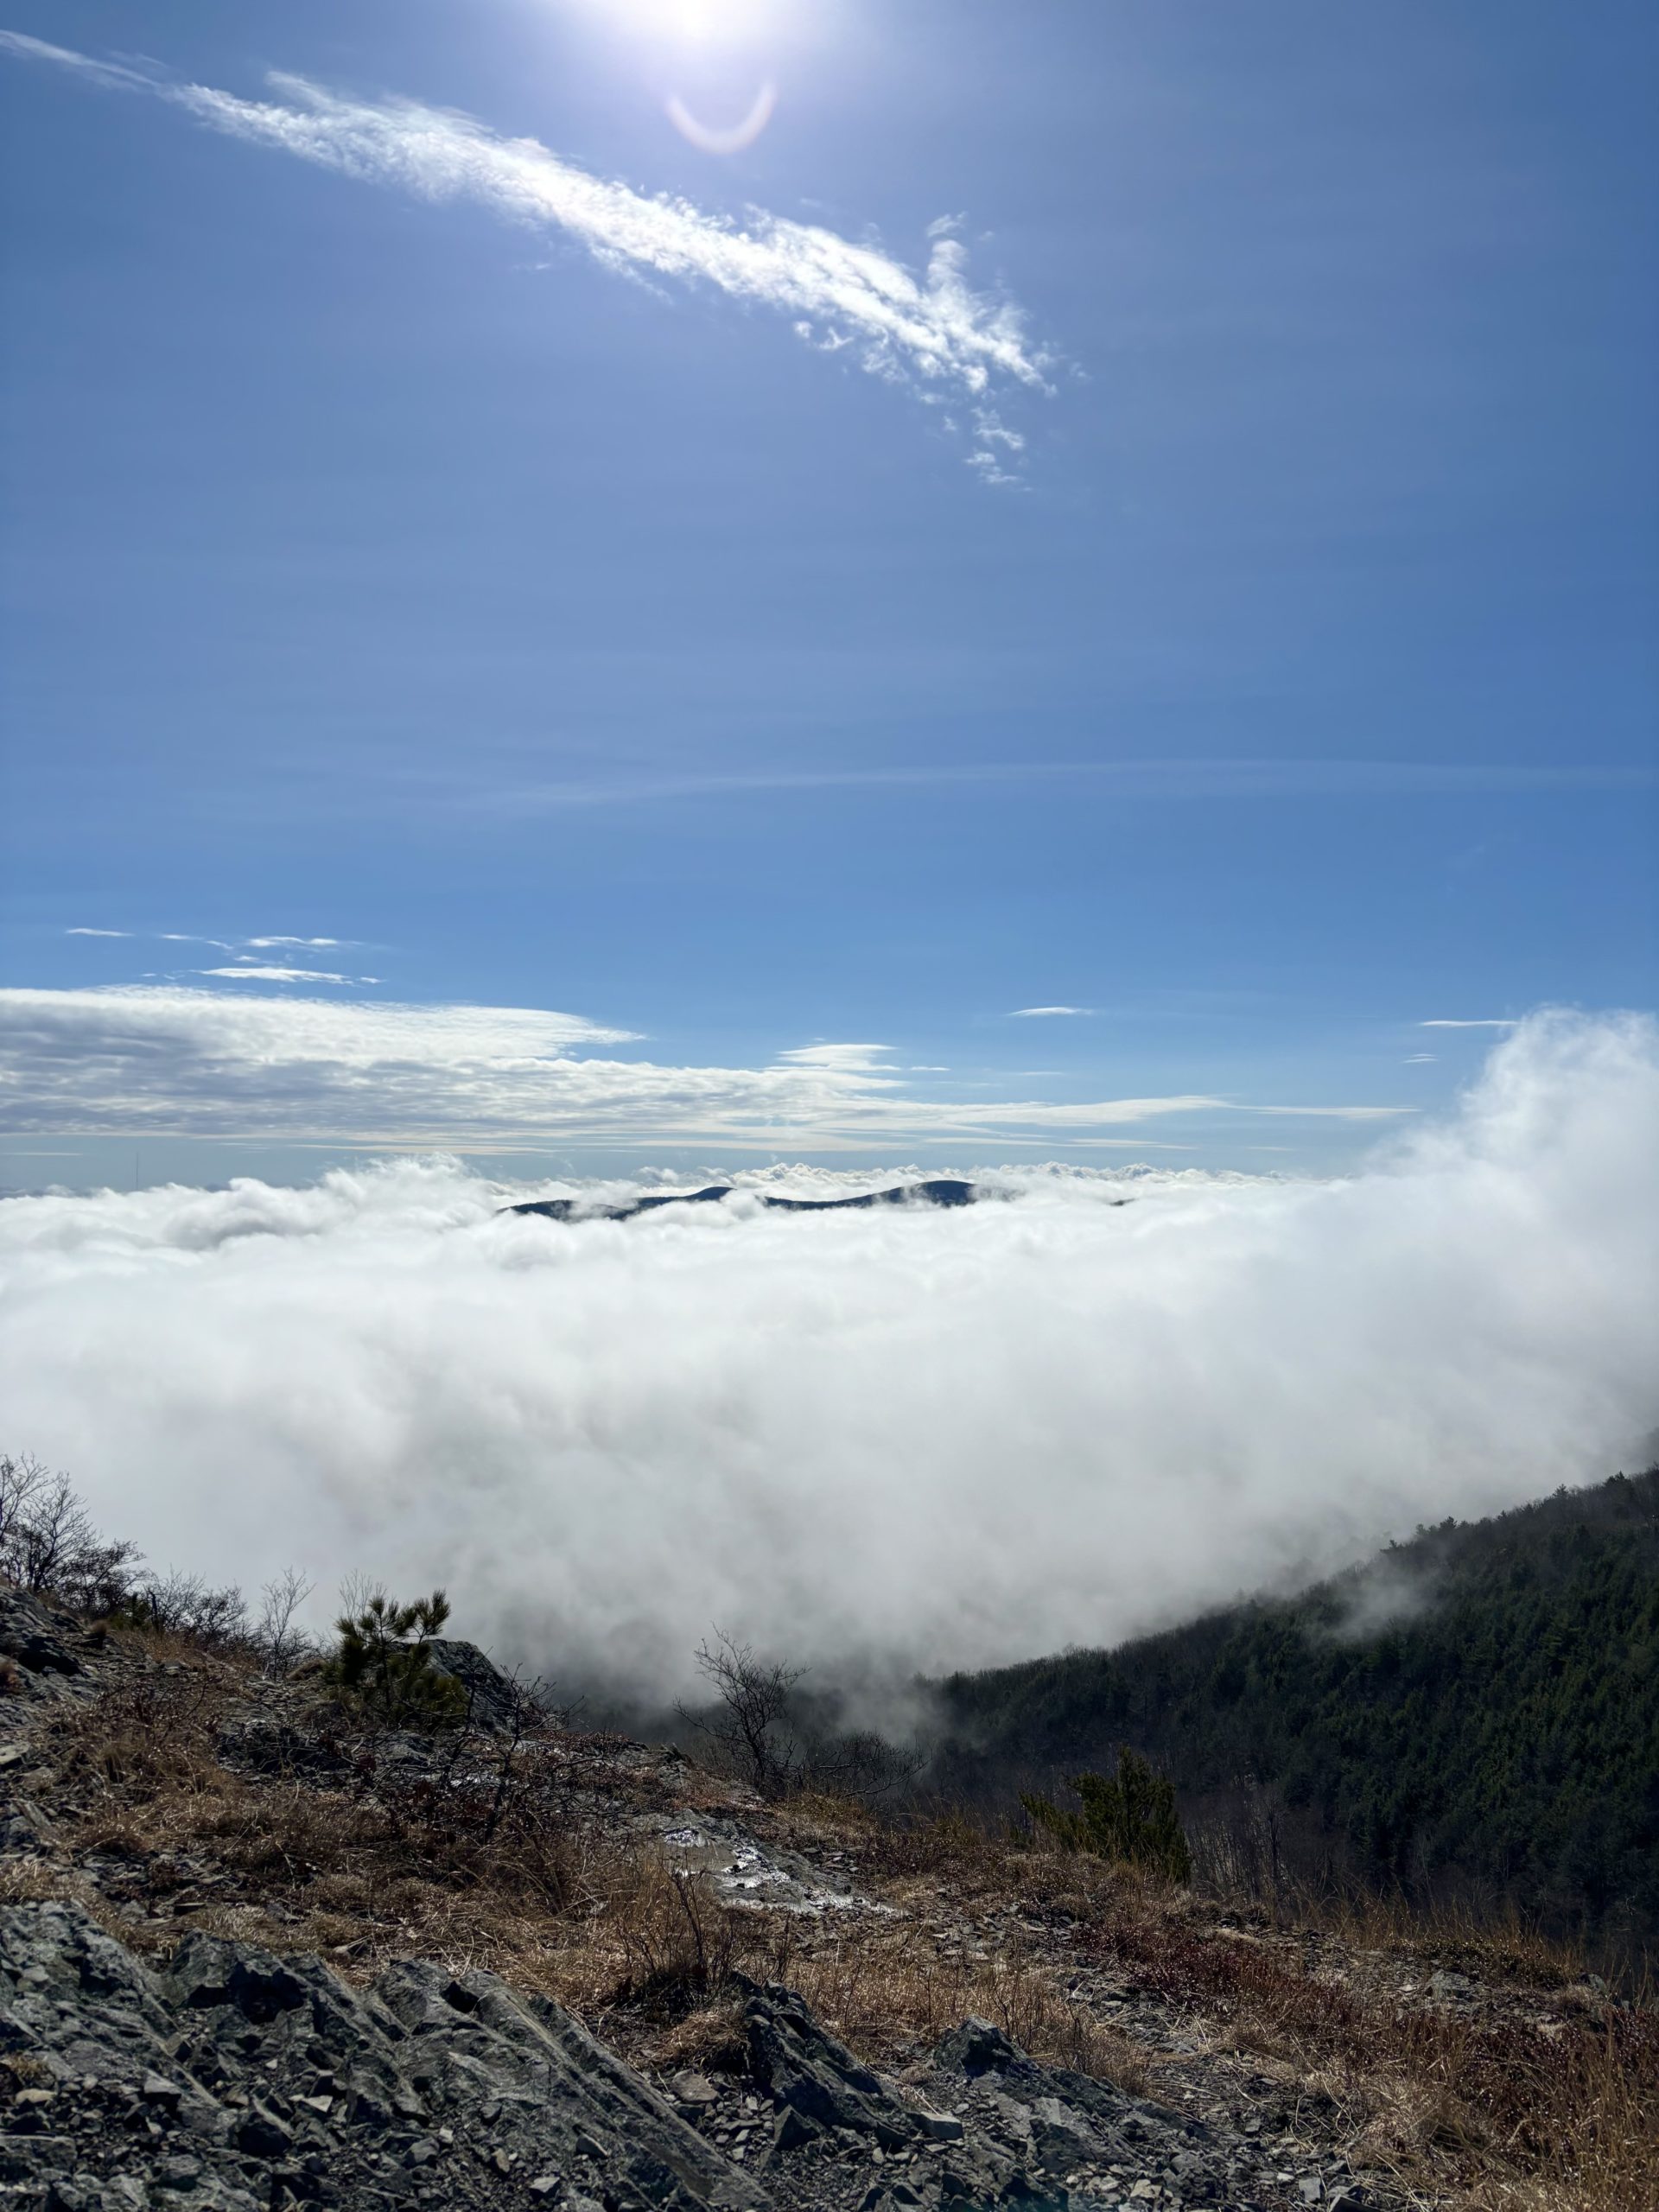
point(932, 331)
point(917, 1438)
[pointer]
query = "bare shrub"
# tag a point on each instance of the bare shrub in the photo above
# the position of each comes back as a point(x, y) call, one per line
point(145, 1739)
point(49, 1545)
point(500, 1808)
point(22, 1482)
point(277, 1636)
point(747, 1729)
point(187, 1605)
point(675, 1939)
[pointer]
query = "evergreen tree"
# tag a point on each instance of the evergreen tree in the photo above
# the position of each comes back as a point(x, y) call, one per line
point(384, 1668)
point(1129, 1816)
point(1476, 1714)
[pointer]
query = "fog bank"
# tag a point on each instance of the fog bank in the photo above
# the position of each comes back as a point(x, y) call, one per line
point(927, 1439)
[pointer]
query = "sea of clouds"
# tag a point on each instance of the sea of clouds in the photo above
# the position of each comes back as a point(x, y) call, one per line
point(890, 1438)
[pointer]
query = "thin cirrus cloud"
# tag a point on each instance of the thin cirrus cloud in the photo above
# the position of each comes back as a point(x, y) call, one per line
point(1044, 1013)
point(931, 332)
point(256, 971)
point(1487, 1023)
point(169, 1058)
point(223, 943)
point(1265, 778)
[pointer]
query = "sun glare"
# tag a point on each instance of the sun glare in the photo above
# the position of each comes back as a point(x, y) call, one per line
point(692, 23)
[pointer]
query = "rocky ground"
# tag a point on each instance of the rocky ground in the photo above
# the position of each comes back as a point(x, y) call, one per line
point(202, 2006)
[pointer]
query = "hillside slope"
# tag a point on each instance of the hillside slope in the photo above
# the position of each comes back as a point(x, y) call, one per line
point(1475, 1713)
point(258, 1946)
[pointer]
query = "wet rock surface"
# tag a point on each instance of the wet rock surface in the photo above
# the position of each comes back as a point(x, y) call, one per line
point(745, 1872)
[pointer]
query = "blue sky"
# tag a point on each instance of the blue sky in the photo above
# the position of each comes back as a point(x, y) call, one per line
point(1221, 602)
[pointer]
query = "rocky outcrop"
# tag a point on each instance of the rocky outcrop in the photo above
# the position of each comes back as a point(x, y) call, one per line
point(494, 1700)
point(805, 2072)
point(233, 2078)
point(49, 1652)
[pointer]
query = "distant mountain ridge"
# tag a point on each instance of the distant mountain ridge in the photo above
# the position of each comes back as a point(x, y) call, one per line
point(940, 1192)
point(1475, 1713)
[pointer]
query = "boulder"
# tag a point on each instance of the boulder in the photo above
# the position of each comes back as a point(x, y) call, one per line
point(493, 1699)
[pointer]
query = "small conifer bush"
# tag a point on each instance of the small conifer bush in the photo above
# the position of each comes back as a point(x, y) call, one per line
point(383, 1669)
point(1129, 1816)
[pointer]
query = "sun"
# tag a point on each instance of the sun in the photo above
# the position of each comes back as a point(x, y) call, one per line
point(701, 23)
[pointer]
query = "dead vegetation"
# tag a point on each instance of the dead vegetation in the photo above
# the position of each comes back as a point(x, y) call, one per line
point(517, 1854)
point(1545, 2095)
point(480, 1862)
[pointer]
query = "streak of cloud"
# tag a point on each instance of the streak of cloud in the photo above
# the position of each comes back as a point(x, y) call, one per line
point(1164, 779)
point(926, 1439)
point(254, 971)
point(932, 331)
point(130, 1058)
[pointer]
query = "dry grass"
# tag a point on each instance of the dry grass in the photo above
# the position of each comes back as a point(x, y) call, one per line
point(27, 2071)
point(662, 1945)
point(41, 1881)
point(373, 1869)
point(1514, 2100)
point(888, 1990)
point(1571, 2101)
point(1526, 2101)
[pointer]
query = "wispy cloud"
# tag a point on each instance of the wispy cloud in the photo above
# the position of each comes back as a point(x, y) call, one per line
point(1043, 1013)
point(932, 330)
point(1172, 779)
point(843, 1060)
point(169, 1058)
point(1340, 1113)
point(243, 948)
point(1485, 1024)
point(255, 971)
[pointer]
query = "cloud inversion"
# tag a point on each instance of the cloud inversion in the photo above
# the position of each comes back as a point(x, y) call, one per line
point(922, 1438)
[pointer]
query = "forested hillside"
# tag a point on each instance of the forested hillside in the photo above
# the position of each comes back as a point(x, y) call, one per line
point(1476, 1712)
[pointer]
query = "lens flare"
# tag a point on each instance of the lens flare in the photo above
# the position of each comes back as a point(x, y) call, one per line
point(734, 137)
